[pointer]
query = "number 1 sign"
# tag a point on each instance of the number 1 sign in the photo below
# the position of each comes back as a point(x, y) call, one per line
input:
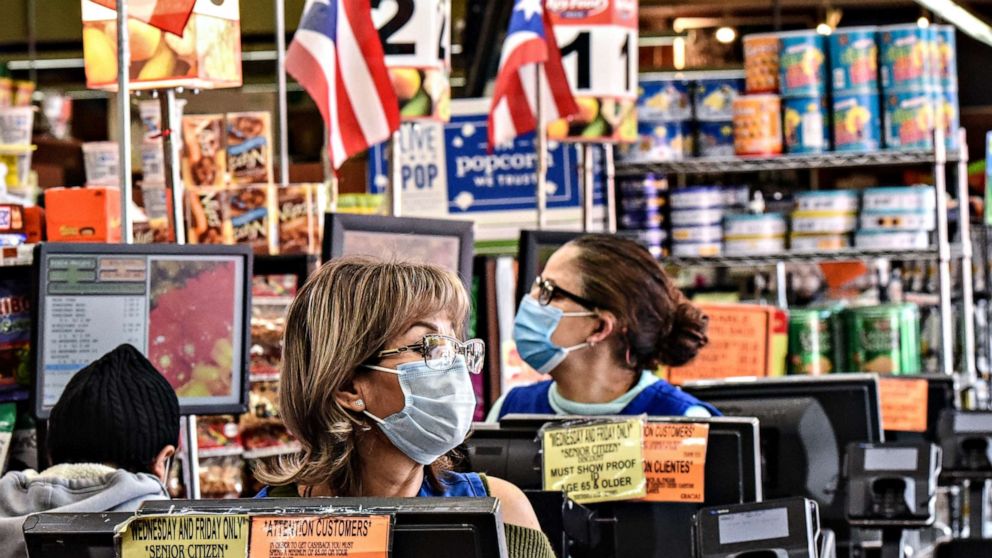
point(598, 42)
point(416, 38)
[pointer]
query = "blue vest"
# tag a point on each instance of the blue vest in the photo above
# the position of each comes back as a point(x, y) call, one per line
point(658, 399)
point(453, 485)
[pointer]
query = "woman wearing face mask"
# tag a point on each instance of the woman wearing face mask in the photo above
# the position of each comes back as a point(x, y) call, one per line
point(376, 387)
point(600, 319)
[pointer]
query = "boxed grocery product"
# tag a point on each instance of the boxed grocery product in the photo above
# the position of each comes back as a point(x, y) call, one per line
point(251, 217)
point(91, 214)
point(249, 147)
point(157, 203)
point(208, 218)
point(298, 219)
point(206, 56)
point(34, 225)
point(204, 156)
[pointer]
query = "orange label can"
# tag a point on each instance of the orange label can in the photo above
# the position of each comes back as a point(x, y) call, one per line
point(761, 63)
point(758, 125)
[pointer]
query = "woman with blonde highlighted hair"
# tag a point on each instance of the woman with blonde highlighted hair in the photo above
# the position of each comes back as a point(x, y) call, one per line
point(376, 386)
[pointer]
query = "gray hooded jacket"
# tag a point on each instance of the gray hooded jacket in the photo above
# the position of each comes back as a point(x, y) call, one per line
point(68, 488)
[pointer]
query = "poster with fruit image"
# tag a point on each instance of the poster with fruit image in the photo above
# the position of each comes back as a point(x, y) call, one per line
point(207, 55)
point(192, 312)
point(416, 39)
point(598, 44)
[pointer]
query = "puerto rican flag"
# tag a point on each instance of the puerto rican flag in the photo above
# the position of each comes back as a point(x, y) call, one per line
point(167, 15)
point(337, 57)
point(530, 52)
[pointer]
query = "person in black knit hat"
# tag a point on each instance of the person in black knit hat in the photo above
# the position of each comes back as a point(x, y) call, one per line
point(111, 437)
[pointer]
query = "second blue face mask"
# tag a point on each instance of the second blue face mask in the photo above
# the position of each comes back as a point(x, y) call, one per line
point(532, 330)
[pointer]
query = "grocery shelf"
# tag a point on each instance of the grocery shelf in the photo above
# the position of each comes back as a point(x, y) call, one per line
point(712, 165)
point(841, 255)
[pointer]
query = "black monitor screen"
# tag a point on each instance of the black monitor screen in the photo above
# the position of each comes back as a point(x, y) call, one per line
point(186, 308)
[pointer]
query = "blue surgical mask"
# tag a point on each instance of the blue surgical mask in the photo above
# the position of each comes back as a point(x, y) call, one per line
point(532, 330)
point(438, 411)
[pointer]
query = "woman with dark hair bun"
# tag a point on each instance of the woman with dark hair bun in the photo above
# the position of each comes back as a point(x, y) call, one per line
point(599, 320)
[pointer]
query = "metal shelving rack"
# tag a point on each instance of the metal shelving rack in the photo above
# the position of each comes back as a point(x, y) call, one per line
point(943, 252)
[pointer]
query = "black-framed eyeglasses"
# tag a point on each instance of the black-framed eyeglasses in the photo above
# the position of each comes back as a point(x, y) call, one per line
point(548, 291)
point(440, 351)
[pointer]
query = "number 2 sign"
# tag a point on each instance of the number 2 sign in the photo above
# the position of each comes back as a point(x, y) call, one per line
point(598, 42)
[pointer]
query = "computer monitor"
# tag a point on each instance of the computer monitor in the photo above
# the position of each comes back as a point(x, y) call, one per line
point(423, 527)
point(72, 535)
point(187, 308)
point(732, 475)
point(444, 242)
point(940, 396)
point(533, 252)
point(806, 425)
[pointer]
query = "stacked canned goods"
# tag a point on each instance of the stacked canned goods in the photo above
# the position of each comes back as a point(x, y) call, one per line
point(883, 339)
point(946, 90)
point(803, 85)
point(908, 73)
point(815, 345)
point(857, 122)
point(753, 234)
point(696, 214)
point(824, 220)
point(642, 217)
point(714, 94)
point(758, 115)
point(897, 217)
point(664, 114)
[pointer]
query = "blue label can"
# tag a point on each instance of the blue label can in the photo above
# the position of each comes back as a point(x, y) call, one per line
point(663, 97)
point(805, 125)
point(947, 58)
point(714, 94)
point(802, 64)
point(715, 139)
point(854, 59)
point(661, 141)
point(857, 124)
point(906, 55)
point(909, 120)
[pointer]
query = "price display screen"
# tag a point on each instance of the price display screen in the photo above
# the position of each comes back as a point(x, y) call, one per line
point(893, 459)
point(757, 525)
point(186, 313)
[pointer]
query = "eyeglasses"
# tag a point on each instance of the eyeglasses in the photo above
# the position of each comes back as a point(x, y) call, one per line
point(440, 351)
point(547, 291)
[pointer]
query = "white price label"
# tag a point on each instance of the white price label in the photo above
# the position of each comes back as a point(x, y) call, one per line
point(414, 33)
point(599, 60)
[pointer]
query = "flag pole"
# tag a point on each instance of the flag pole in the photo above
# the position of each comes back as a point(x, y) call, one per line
point(540, 144)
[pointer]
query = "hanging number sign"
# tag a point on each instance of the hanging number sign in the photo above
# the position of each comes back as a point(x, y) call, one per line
point(598, 43)
point(416, 39)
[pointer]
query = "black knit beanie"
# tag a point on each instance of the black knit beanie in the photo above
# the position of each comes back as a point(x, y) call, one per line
point(119, 410)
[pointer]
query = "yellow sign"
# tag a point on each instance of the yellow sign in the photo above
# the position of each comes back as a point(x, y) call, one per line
point(186, 536)
point(675, 461)
point(596, 463)
point(320, 536)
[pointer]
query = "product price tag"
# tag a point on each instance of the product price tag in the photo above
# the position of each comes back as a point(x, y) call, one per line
point(675, 461)
point(596, 463)
point(185, 536)
point(904, 404)
point(353, 536)
point(739, 340)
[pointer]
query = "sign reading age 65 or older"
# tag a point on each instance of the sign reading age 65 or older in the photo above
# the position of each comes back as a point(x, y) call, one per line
point(596, 463)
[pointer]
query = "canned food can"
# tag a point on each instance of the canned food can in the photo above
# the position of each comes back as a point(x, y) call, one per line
point(841, 201)
point(654, 240)
point(821, 222)
point(715, 139)
point(856, 122)
point(693, 217)
point(661, 141)
point(753, 226)
point(696, 249)
point(649, 185)
point(898, 220)
point(883, 339)
point(905, 57)
point(909, 120)
point(891, 240)
point(947, 59)
point(696, 197)
point(854, 59)
point(802, 63)
point(805, 125)
point(702, 234)
point(736, 197)
point(755, 246)
point(643, 219)
point(813, 347)
point(761, 62)
point(663, 97)
point(799, 242)
point(900, 198)
point(758, 125)
point(714, 94)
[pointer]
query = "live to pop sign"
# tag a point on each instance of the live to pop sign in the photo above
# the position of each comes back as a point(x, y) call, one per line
point(598, 43)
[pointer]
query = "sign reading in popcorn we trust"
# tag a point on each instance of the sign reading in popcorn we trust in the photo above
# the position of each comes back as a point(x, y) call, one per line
point(596, 463)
